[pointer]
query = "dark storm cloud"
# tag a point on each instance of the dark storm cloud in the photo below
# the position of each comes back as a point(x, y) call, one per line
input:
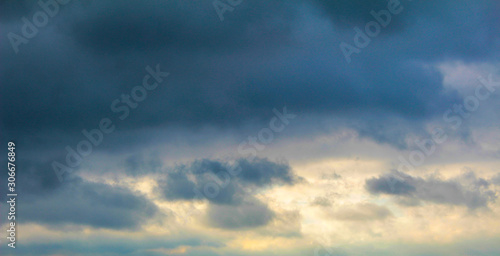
point(348, 13)
point(186, 26)
point(467, 190)
point(223, 73)
point(140, 164)
point(10, 10)
point(90, 55)
point(424, 30)
point(266, 54)
point(234, 183)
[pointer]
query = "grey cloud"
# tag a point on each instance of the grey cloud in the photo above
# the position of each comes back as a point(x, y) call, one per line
point(249, 214)
point(422, 21)
point(43, 199)
point(233, 205)
point(209, 84)
point(114, 246)
point(349, 13)
point(395, 183)
point(363, 212)
point(141, 164)
point(331, 176)
point(88, 203)
point(321, 201)
point(37, 179)
point(496, 180)
point(408, 201)
point(233, 186)
point(466, 190)
point(186, 26)
point(262, 172)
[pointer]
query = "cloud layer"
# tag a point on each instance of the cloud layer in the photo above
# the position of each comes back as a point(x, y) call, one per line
point(468, 191)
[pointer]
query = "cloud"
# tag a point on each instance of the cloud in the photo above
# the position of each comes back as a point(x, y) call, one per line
point(348, 13)
point(43, 199)
point(391, 184)
point(92, 204)
point(114, 244)
point(141, 164)
point(230, 191)
point(209, 84)
point(227, 77)
point(331, 176)
point(185, 26)
point(249, 214)
point(363, 212)
point(223, 183)
point(467, 190)
point(321, 201)
point(496, 180)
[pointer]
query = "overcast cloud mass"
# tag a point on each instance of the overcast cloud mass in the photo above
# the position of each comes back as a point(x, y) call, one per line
point(251, 127)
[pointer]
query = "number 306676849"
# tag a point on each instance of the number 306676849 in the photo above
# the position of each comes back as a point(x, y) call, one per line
point(11, 166)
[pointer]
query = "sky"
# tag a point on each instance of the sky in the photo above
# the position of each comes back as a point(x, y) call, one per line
point(251, 127)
